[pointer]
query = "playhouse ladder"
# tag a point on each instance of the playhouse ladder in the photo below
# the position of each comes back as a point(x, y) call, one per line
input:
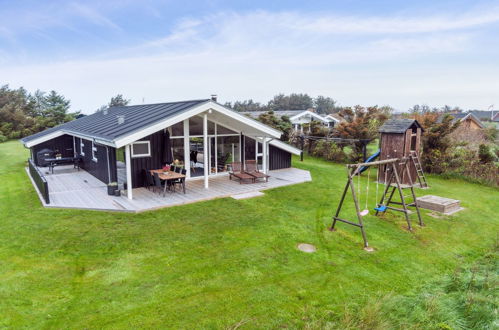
point(419, 170)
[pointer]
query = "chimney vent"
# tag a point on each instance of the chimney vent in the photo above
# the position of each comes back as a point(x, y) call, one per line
point(105, 111)
point(214, 97)
point(121, 119)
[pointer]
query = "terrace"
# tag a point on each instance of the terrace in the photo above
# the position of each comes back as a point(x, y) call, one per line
point(70, 188)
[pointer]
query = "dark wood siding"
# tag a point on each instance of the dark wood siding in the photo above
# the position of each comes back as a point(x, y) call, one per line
point(104, 168)
point(62, 144)
point(398, 145)
point(155, 161)
point(278, 158)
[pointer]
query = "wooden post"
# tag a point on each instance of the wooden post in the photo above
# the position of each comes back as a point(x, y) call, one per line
point(360, 224)
point(401, 193)
point(302, 139)
point(411, 187)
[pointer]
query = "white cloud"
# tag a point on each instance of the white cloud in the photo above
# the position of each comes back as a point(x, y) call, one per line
point(92, 15)
point(367, 60)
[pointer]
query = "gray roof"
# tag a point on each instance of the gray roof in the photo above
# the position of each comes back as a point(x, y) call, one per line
point(460, 116)
point(483, 114)
point(105, 126)
point(398, 125)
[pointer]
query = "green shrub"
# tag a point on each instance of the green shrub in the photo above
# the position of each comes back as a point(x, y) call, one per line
point(329, 150)
point(335, 153)
point(14, 135)
point(3, 138)
point(484, 154)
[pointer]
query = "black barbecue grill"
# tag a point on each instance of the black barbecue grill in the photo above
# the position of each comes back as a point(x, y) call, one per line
point(42, 156)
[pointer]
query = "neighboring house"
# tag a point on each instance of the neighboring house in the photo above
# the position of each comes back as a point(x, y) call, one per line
point(334, 120)
point(470, 129)
point(299, 118)
point(202, 135)
point(467, 120)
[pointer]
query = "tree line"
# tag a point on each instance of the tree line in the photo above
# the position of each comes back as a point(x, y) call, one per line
point(23, 113)
point(294, 101)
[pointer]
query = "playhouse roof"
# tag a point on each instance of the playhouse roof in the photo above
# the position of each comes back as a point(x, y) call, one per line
point(399, 125)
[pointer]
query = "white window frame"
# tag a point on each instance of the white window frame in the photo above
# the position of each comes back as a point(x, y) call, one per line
point(94, 150)
point(141, 155)
point(81, 147)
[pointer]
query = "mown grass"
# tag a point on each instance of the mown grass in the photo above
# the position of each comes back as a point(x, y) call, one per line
point(225, 263)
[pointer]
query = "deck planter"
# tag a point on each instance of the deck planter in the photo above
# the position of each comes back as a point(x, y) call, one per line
point(111, 188)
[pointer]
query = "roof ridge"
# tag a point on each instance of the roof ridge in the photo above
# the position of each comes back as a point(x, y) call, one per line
point(145, 104)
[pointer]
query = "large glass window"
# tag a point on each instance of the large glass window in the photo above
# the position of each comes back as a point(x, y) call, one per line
point(223, 147)
point(196, 156)
point(178, 151)
point(227, 152)
point(178, 129)
point(196, 126)
point(222, 130)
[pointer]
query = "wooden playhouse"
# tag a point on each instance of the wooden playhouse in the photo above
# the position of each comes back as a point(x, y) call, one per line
point(399, 138)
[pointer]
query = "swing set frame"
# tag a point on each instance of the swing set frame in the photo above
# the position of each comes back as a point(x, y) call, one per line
point(392, 184)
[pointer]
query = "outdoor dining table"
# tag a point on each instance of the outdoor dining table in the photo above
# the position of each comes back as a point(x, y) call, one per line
point(53, 162)
point(170, 175)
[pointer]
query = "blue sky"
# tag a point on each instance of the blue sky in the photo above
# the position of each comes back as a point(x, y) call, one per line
point(358, 52)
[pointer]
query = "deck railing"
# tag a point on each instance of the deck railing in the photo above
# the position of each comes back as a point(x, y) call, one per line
point(40, 181)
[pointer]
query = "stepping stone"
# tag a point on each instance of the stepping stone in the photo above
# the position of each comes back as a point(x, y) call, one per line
point(308, 248)
point(248, 195)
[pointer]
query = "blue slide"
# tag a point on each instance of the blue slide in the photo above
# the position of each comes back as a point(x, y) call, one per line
point(370, 159)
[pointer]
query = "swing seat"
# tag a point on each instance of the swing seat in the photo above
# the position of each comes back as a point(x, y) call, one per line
point(381, 208)
point(364, 212)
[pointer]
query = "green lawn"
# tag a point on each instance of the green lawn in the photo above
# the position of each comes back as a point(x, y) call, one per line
point(228, 263)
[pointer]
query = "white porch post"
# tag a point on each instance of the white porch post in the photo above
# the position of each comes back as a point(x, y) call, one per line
point(187, 149)
point(205, 150)
point(264, 160)
point(256, 150)
point(129, 184)
point(216, 150)
point(240, 148)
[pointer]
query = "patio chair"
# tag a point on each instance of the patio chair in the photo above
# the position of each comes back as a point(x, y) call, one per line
point(180, 181)
point(148, 180)
point(252, 169)
point(237, 172)
point(77, 162)
point(158, 184)
point(178, 169)
point(222, 161)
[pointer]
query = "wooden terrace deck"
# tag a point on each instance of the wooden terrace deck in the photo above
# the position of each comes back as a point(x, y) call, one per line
point(69, 188)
